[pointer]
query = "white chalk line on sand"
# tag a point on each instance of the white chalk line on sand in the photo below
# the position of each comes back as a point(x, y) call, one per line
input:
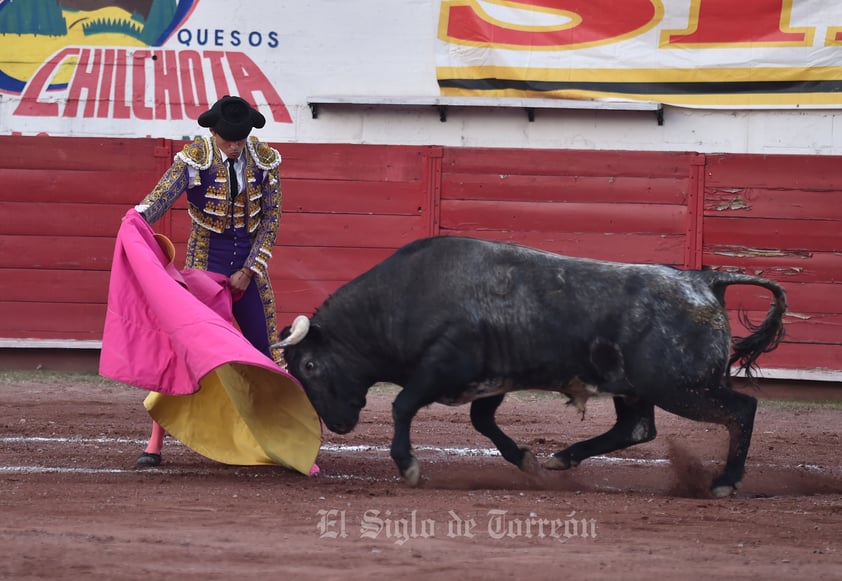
point(326, 447)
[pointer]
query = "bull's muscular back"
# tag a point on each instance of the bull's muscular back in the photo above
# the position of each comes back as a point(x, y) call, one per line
point(524, 317)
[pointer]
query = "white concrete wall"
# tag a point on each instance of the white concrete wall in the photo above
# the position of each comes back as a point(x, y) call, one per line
point(815, 132)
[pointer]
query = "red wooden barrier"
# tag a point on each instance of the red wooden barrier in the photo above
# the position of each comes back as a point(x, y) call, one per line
point(347, 207)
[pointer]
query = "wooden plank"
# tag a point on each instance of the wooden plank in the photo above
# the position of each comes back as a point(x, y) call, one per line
point(50, 252)
point(560, 162)
point(49, 320)
point(64, 219)
point(350, 230)
point(178, 229)
point(818, 329)
point(773, 203)
point(353, 197)
point(630, 248)
point(806, 172)
point(77, 186)
point(301, 297)
point(574, 217)
point(364, 163)
point(531, 188)
point(55, 286)
point(815, 267)
point(74, 153)
point(762, 233)
point(803, 298)
point(804, 356)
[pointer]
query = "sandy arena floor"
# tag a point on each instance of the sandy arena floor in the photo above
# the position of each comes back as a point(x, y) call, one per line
point(74, 506)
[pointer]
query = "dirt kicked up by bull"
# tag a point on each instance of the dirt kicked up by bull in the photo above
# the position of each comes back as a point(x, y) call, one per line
point(458, 320)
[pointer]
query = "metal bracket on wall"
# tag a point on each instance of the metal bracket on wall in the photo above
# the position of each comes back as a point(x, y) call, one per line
point(442, 104)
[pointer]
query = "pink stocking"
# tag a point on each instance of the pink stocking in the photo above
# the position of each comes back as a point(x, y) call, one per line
point(156, 440)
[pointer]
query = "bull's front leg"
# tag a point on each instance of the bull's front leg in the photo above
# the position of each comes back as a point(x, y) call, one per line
point(482, 417)
point(404, 409)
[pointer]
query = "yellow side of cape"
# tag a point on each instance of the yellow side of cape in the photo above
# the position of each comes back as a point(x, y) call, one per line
point(243, 415)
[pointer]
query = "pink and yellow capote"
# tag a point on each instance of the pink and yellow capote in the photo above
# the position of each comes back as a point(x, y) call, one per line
point(171, 332)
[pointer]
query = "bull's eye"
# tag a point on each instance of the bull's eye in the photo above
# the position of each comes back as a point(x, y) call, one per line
point(309, 366)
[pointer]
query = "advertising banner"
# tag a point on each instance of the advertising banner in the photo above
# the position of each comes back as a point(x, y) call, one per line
point(131, 67)
point(137, 68)
point(711, 53)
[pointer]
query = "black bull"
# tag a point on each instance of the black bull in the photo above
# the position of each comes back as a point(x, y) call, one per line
point(456, 320)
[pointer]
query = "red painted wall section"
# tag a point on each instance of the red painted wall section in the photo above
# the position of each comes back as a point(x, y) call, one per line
point(624, 206)
point(780, 217)
point(59, 212)
point(346, 207)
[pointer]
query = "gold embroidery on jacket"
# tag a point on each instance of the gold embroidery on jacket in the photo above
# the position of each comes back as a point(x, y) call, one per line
point(264, 156)
point(198, 154)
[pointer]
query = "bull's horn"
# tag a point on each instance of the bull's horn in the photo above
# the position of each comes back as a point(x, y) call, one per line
point(297, 331)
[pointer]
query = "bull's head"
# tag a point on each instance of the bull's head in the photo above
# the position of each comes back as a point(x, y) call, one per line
point(314, 360)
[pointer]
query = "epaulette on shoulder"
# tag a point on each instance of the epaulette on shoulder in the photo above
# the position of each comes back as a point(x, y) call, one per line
point(197, 154)
point(264, 156)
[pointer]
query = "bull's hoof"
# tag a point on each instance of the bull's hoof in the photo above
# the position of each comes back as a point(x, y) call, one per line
point(557, 463)
point(412, 475)
point(725, 490)
point(529, 463)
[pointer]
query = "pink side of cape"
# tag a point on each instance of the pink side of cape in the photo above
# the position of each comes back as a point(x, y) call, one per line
point(158, 335)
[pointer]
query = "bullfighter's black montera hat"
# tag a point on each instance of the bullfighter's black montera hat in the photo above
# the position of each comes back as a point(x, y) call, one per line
point(232, 118)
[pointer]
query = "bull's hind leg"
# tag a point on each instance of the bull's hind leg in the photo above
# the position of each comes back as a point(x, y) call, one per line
point(635, 424)
point(482, 417)
point(732, 409)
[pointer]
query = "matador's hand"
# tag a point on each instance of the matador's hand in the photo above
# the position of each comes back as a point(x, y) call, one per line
point(239, 281)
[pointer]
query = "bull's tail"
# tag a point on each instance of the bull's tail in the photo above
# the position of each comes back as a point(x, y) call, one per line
point(766, 336)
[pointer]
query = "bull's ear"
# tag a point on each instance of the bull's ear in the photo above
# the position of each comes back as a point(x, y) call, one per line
point(315, 333)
